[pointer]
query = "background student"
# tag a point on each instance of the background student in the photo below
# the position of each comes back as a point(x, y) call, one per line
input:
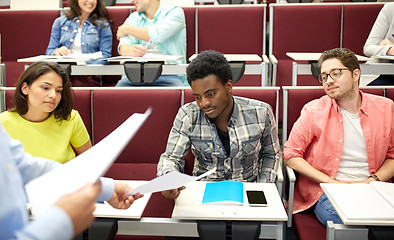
point(343, 137)
point(154, 28)
point(43, 118)
point(380, 42)
point(70, 215)
point(85, 28)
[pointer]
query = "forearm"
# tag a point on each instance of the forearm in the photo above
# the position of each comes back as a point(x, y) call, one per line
point(386, 171)
point(303, 167)
point(140, 33)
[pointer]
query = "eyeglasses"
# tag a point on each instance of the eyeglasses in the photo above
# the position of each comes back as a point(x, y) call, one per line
point(334, 74)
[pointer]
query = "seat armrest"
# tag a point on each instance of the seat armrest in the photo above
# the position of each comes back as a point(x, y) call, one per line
point(291, 177)
point(274, 63)
point(280, 179)
point(265, 75)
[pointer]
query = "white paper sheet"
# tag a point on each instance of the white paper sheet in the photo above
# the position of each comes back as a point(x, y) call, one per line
point(88, 167)
point(171, 180)
point(146, 57)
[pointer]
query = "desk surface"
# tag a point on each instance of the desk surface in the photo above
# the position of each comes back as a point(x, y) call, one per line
point(359, 204)
point(119, 59)
point(237, 57)
point(133, 212)
point(53, 59)
point(149, 57)
point(188, 205)
point(302, 56)
point(384, 57)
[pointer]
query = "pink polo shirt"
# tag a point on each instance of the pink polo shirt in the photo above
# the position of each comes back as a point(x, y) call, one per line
point(317, 136)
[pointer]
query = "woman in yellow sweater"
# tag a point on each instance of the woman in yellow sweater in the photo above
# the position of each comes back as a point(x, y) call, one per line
point(43, 118)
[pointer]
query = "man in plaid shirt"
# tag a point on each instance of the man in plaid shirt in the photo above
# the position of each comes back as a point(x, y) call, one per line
point(236, 135)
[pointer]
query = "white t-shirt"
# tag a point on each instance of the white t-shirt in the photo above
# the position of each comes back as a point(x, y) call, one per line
point(354, 161)
point(76, 46)
point(152, 48)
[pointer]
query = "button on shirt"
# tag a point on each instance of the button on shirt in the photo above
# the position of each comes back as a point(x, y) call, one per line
point(254, 145)
point(317, 136)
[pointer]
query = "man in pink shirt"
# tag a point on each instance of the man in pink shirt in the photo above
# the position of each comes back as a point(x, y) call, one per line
point(343, 137)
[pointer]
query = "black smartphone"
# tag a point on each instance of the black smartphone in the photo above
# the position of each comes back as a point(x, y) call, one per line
point(256, 198)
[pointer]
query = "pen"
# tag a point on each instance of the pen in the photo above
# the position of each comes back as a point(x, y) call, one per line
point(146, 46)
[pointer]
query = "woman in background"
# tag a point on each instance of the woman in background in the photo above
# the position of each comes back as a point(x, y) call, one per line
point(43, 118)
point(85, 28)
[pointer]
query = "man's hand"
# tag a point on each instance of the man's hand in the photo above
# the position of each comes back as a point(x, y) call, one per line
point(62, 51)
point(80, 205)
point(136, 50)
point(123, 30)
point(118, 200)
point(173, 193)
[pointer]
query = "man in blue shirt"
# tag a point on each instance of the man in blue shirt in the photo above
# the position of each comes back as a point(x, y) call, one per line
point(70, 215)
point(154, 28)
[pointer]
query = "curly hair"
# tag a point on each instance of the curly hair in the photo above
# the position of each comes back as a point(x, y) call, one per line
point(34, 71)
point(207, 63)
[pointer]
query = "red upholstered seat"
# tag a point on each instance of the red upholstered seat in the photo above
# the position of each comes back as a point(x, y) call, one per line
point(82, 103)
point(35, 33)
point(112, 107)
point(118, 16)
point(232, 30)
point(307, 227)
point(8, 99)
point(355, 15)
point(190, 17)
point(298, 29)
point(390, 93)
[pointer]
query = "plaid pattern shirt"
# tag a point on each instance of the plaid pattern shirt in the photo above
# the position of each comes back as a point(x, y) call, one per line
point(254, 144)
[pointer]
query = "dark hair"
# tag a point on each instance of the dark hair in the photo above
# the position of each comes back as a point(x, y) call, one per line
point(207, 63)
point(34, 71)
point(347, 57)
point(99, 13)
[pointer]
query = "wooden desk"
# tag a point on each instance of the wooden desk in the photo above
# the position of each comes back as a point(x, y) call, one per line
point(305, 69)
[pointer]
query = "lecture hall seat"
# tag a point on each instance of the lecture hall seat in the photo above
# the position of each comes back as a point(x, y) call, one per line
point(233, 30)
point(354, 38)
point(21, 39)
